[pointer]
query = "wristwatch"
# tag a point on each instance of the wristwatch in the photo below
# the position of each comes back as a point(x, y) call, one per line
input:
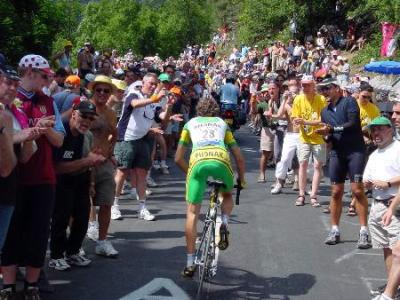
point(2, 129)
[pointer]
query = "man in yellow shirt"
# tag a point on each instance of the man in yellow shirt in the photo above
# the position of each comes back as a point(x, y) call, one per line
point(306, 114)
point(368, 110)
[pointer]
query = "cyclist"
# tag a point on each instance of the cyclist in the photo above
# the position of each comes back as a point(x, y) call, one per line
point(210, 136)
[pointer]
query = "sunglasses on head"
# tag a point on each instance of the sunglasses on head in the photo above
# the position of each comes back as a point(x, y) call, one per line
point(105, 91)
point(89, 117)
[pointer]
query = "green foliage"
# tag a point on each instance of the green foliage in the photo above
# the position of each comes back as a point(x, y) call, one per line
point(371, 50)
point(29, 26)
point(182, 22)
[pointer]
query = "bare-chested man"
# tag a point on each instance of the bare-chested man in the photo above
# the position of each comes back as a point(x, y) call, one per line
point(104, 137)
point(291, 139)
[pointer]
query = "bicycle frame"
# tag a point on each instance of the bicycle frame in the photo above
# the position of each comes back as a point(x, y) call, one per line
point(205, 253)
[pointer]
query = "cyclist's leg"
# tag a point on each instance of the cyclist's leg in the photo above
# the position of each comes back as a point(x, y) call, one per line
point(192, 215)
point(195, 187)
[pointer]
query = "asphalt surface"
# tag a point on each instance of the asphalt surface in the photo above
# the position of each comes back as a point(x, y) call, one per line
point(276, 250)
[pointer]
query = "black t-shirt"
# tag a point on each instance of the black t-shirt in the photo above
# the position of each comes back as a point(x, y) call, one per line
point(344, 117)
point(71, 149)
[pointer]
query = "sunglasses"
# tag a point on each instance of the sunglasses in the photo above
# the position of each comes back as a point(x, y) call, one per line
point(105, 91)
point(87, 117)
point(44, 76)
point(325, 88)
point(366, 97)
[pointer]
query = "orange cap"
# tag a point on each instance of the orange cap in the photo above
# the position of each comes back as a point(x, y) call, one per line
point(176, 91)
point(73, 80)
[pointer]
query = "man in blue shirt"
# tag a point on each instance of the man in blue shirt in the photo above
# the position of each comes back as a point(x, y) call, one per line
point(342, 129)
point(229, 91)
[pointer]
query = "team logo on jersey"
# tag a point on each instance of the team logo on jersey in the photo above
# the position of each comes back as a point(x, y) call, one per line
point(68, 154)
point(43, 109)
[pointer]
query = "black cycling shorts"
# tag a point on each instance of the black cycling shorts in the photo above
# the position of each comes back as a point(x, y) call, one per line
point(343, 165)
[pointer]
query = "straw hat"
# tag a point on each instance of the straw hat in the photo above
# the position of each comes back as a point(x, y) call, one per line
point(102, 79)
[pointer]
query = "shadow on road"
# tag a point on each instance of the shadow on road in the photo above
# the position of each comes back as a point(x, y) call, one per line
point(247, 285)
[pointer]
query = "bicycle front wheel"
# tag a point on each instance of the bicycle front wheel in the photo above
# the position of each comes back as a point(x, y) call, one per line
point(206, 253)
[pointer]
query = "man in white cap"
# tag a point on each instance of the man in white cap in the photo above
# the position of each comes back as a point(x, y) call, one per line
point(26, 242)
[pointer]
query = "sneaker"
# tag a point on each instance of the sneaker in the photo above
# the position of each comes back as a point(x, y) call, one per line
point(150, 182)
point(224, 237)
point(289, 180)
point(105, 248)
point(149, 192)
point(116, 213)
point(93, 231)
point(363, 241)
point(146, 215)
point(277, 189)
point(295, 186)
point(377, 291)
point(126, 188)
point(32, 293)
point(333, 238)
point(59, 264)
point(156, 165)
point(8, 294)
point(82, 252)
point(164, 170)
point(78, 260)
point(380, 297)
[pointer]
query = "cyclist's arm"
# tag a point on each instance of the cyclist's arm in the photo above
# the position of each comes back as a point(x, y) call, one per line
point(184, 141)
point(239, 160)
point(180, 158)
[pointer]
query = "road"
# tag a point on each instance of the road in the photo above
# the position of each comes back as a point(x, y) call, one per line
point(276, 250)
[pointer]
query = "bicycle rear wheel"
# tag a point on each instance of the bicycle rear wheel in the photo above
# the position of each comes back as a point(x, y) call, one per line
point(206, 257)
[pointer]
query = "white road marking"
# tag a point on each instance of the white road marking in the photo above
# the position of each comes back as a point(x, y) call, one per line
point(326, 223)
point(354, 252)
point(249, 150)
point(147, 292)
point(367, 253)
point(346, 256)
point(351, 223)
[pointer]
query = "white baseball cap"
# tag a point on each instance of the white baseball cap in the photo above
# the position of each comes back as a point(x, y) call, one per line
point(36, 62)
point(307, 79)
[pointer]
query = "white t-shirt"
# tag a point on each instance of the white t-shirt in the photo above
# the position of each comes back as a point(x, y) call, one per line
point(135, 123)
point(383, 164)
point(298, 50)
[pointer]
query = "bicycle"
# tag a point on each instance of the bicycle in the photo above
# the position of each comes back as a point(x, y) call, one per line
point(206, 251)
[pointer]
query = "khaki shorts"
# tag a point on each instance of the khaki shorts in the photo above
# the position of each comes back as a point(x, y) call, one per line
point(266, 140)
point(104, 184)
point(383, 237)
point(304, 152)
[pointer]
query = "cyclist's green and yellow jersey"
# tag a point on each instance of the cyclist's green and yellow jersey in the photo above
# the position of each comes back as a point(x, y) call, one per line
point(210, 137)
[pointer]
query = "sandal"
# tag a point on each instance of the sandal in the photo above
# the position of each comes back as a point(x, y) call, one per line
point(300, 200)
point(314, 201)
point(261, 179)
point(326, 210)
point(352, 211)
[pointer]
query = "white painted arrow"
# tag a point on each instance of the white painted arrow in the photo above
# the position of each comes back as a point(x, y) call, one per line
point(147, 292)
